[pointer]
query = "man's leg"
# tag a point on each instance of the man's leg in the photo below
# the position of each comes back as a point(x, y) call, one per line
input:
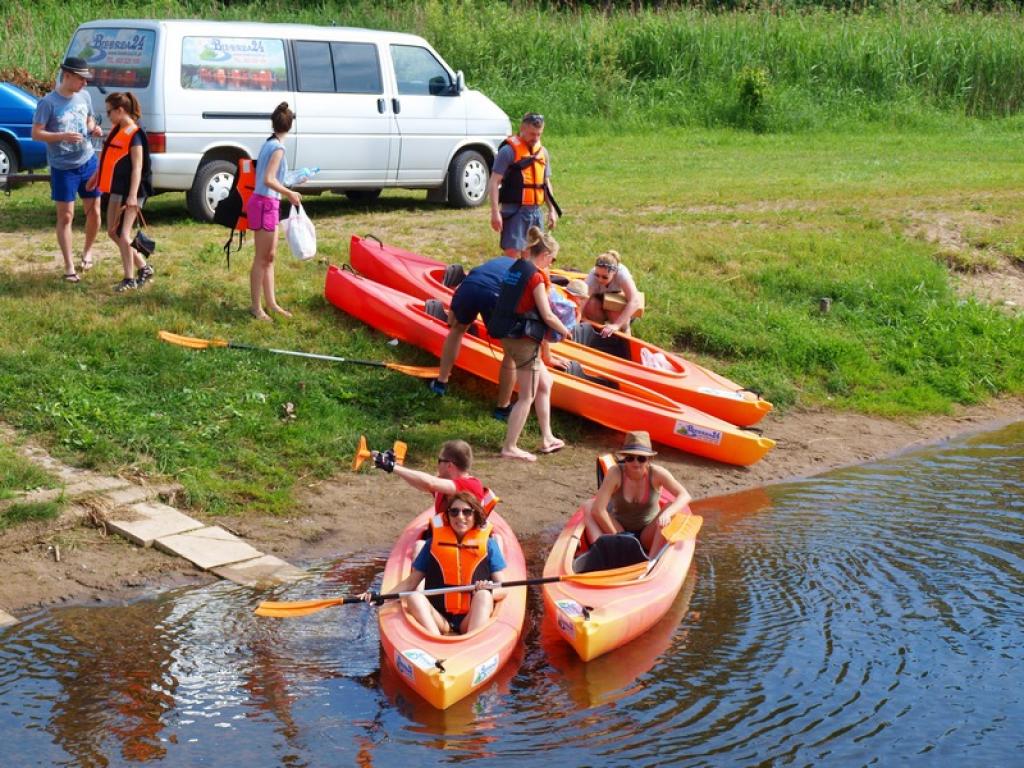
point(65, 217)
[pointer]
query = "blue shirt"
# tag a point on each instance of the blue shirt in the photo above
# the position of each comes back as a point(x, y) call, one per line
point(489, 274)
point(60, 115)
point(269, 147)
point(494, 561)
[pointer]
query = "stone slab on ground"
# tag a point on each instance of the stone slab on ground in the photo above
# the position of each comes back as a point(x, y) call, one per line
point(6, 620)
point(154, 521)
point(208, 547)
point(260, 571)
point(94, 484)
point(133, 494)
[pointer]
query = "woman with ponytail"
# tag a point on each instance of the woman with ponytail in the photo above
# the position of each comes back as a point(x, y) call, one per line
point(125, 179)
point(264, 212)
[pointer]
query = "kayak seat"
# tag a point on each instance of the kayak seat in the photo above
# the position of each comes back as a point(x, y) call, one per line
point(588, 336)
point(573, 368)
point(613, 550)
point(453, 275)
point(435, 308)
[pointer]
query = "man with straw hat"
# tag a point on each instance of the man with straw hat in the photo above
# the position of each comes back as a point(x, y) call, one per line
point(629, 497)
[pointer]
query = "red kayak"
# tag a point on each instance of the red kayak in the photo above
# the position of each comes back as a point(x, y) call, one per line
point(683, 381)
point(621, 405)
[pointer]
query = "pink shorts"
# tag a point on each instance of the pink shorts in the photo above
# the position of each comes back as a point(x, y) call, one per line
point(263, 212)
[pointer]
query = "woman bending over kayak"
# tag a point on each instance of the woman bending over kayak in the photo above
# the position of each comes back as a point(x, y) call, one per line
point(461, 551)
point(610, 276)
point(628, 497)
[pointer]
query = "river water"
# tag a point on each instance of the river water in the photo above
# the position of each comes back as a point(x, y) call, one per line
point(870, 616)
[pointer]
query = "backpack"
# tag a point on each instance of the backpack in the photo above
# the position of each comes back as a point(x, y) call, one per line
point(231, 211)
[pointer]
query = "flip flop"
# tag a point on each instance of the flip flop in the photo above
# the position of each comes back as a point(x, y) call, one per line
point(552, 449)
point(72, 278)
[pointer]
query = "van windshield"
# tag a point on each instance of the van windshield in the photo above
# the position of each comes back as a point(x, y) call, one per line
point(119, 57)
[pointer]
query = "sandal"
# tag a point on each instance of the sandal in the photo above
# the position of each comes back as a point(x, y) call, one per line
point(72, 278)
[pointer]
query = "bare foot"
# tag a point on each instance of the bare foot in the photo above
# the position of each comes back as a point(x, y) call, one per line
point(553, 447)
point(517, 453)
point(260, 315)
point(281, 311)
point(87, 262)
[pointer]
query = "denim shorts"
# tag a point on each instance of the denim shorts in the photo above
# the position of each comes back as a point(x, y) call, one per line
point(515, 225)
point(65, 183)
point(263, 212)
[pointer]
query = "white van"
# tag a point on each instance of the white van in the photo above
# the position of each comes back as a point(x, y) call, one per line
point(373, 109)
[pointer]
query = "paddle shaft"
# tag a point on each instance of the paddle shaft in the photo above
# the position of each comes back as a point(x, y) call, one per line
point(311, 355)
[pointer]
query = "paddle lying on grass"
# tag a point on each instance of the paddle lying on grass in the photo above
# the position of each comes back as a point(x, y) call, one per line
point(679, 528)
point(190, 342)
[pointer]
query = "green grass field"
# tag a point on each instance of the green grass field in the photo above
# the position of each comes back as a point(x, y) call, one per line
point(733, 236)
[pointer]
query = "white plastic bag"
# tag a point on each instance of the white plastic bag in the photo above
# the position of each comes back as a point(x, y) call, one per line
point(300, 233)
point(656, 360)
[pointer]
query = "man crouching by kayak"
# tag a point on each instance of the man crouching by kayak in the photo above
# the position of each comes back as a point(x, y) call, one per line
point(460, 552)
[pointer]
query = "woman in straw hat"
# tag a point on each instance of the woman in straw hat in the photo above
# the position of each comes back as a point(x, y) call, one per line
point(628, 499)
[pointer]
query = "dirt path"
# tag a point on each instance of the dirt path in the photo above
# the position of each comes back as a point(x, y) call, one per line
point(366, 511)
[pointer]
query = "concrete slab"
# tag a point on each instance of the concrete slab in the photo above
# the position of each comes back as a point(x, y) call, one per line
point(153, 521)
point(261, 572)
point(96, 484)
point(6, 620)
point(208, 547)
point(133, 494)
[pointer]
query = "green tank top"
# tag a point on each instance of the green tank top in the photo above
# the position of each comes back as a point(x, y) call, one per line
point(635, 515)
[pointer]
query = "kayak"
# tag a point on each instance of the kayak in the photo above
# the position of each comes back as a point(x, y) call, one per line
point(682, 380)
point(444, 670)
point(595, 618)
point(621, 406)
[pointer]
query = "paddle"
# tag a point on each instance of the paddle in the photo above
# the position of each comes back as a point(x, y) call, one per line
point(363, 453)
point(679, 528)
point(289, 610)
point(193, 343)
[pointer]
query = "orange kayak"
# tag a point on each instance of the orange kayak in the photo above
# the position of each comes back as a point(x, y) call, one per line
point(595, 618)
point(622, 406)
point(444, 670)
point(683, 381)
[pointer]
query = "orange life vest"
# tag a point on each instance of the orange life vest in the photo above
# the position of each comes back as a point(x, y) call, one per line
point(117, 148)
point(523, 182)
point(456, 563)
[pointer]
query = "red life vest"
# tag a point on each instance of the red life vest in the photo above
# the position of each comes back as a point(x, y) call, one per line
point(456, 563)
point(523, 182)
point(246, 187)
point(117, 148)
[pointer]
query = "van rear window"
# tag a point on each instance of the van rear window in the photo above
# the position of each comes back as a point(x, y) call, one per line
point(119, 57)
point(233, 64)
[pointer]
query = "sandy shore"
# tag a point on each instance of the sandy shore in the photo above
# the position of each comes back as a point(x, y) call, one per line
point(366, 511)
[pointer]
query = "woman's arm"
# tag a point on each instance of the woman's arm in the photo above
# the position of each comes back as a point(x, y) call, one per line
point(408, 584)
point(270, 178)
point(632, 296)
point(599, 508)
point(662, 478)
point(133, 186)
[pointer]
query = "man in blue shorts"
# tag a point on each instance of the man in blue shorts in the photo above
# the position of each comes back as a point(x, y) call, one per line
point(64, 121)
point(520, 184)
point(475, 297)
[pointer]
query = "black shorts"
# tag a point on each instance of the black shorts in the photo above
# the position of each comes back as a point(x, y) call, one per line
point(471, 300)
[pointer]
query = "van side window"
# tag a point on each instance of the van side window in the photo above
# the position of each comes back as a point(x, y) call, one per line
point(356, 68)
point(233, 64)
point(418, 72)
point(313, 66)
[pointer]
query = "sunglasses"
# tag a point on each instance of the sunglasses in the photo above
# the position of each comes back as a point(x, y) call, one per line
point(533, 118)
point(638, 459)
point(460, 511)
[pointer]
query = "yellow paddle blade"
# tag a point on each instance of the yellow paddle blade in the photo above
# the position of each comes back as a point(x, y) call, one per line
point(362, 453)
point(682, 527)
point(190, 342)
point(400, 449)
point(417, 371)
point(281, 610)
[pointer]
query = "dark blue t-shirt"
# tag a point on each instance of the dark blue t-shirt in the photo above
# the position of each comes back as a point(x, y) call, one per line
point(489, 274)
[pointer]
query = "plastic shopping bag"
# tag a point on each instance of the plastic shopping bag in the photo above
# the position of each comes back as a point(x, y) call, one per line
point(300, 233)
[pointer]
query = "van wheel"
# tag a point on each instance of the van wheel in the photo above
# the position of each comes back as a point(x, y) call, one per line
point(363, 196)
point(8, 158)
point(467, 179)
point(212, 184)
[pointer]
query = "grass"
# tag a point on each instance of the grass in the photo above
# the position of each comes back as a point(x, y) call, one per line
point(911, 63)
point(18, 474)
point(733, 236)
point(29, 512)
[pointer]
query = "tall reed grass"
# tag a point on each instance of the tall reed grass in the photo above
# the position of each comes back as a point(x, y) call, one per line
point(588, 69)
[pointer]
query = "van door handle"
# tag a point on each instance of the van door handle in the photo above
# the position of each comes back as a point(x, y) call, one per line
point(396, 106)
point(380, 106)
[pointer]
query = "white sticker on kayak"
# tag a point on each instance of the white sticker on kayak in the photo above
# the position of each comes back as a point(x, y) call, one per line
point(721, 393)
point(694, 432)
point(566, 627)
point(485, 670)
point(569, 607)
point(421, 659)
point(404, 666)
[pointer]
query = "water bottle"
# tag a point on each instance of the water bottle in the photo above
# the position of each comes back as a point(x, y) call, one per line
point(97, 141)
point(300, 176)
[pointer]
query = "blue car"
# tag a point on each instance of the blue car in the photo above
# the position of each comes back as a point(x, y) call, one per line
point(18, 152)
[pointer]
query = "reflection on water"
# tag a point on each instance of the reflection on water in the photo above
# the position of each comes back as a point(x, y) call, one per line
point(872, 615)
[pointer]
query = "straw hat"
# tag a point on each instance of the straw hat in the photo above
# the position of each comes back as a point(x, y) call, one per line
point(636, 443)
point(578, 288)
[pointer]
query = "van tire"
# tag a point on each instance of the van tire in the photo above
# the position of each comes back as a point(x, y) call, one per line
point(211, 185)
point(467, 179)
point(363, 196)
point(8, 158)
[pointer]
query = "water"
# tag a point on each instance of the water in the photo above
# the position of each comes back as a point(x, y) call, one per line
point(872, 616)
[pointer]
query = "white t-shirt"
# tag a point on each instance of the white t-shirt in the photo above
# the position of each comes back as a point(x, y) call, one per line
point(620, 277)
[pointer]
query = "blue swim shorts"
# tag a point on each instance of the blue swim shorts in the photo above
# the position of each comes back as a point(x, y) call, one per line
point(65, 183)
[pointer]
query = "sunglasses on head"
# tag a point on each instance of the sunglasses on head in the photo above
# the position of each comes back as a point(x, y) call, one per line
point(460, 511)
point(630, 458)
point(610, 266)
point(533, 118)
